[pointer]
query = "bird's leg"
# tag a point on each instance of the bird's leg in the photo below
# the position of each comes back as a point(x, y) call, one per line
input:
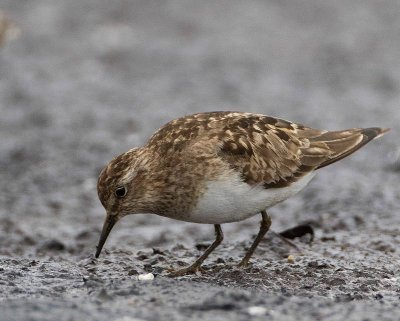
point(265, 225)
point(195, 267)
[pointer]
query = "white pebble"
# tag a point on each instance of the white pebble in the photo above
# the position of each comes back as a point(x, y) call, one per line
point(256, 310)
point(291, 259)
point(146, 277)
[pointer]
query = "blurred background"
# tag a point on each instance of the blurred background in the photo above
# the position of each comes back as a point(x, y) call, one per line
point(82, 81)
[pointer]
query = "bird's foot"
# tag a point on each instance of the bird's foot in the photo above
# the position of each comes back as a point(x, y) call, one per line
point(192, 269)
point(243, 264)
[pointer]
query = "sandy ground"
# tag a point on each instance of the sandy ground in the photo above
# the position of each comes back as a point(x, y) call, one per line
point(89, 79)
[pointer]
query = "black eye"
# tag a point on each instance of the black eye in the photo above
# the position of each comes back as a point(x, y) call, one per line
point(120, 191)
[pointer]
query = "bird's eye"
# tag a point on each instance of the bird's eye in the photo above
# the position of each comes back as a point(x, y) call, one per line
point(121, 191)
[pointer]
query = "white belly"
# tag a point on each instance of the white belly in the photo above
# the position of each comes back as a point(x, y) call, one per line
point(228, 201)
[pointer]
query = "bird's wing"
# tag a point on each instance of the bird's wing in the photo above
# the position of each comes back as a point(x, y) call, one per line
point(275, 153)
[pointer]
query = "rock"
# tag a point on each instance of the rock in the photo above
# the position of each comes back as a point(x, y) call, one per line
point(146, 277)
point(256, 310)
point(52, 245)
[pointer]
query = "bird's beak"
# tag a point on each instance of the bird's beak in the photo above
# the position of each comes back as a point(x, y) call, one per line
point(107, 226)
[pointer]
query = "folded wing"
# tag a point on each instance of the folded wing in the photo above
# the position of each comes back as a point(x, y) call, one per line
point(275, 153)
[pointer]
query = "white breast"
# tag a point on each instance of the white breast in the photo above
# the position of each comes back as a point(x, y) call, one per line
point(233, 200)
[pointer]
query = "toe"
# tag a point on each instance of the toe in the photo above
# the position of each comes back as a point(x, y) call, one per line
point(189, 270)
point(243, 264)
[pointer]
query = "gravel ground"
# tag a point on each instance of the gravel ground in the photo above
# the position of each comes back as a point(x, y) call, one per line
point(89, 79)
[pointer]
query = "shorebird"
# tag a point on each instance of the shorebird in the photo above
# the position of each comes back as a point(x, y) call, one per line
point(220, 167)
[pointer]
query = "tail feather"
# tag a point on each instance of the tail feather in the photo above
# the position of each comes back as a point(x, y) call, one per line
point(343, 143)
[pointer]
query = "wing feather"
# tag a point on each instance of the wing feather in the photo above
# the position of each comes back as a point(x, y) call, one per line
point(283, 152)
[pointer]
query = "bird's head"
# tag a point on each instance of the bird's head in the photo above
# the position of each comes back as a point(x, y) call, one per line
point(122, 190)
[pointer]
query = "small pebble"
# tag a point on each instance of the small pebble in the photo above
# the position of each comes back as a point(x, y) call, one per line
point(146, 277)
point(256, 310)
point(291, 259)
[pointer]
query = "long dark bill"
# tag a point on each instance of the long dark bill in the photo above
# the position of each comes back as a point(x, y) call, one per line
point(107, 227)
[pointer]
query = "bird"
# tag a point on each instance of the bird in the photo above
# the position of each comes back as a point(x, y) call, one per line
point(220, 167)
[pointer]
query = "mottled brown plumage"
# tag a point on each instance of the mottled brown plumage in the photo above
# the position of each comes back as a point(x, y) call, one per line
point(173, 171)
point(264, 149)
